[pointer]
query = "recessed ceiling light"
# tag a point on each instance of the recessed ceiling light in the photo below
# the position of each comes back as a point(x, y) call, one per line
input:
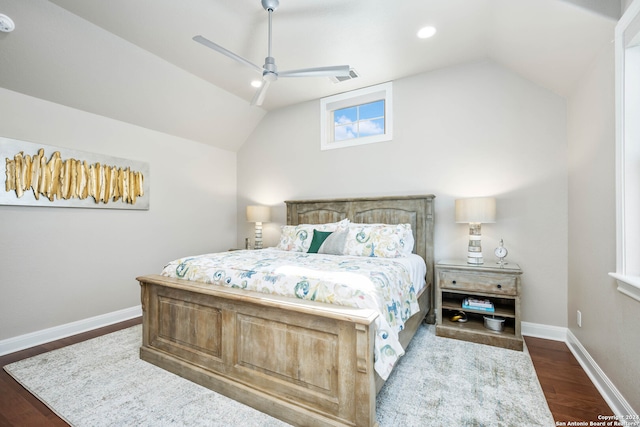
point(426, 32)
point(256, 83)
point(6, 24)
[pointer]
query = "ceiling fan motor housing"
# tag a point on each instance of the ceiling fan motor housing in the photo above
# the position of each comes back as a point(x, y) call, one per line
point(270, 72)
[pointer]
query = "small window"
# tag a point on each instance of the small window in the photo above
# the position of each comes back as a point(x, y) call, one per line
point(358, 117)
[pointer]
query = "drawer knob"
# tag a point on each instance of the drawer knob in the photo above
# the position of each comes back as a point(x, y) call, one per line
point(499, 286)
point(453, 281)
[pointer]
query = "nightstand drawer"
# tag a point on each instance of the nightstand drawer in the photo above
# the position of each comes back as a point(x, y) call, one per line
point(485, 283)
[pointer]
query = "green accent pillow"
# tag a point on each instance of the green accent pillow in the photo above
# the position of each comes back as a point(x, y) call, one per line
point(318, 238)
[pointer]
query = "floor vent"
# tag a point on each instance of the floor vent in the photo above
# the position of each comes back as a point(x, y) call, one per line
point(352, 75)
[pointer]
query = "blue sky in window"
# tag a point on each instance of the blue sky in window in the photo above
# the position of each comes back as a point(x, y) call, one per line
point(371, 110)
point(371, 121)
point(346, 115)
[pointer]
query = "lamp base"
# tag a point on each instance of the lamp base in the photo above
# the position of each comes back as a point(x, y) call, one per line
point(474, 251)
point(475, 261)
point(258, 240)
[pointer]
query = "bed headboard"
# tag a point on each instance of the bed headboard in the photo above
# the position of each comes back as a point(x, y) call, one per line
point(414, 210)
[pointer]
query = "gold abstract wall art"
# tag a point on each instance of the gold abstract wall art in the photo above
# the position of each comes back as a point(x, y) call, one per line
point(66, 179)
point(36, 174)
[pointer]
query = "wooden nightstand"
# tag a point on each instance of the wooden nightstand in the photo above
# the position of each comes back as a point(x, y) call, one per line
point(456, 280)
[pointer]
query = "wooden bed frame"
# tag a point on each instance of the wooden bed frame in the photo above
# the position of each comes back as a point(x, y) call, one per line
point(303, 362)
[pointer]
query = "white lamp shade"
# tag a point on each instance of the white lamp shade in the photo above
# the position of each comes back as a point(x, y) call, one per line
point(476, 210)
point(258, 213)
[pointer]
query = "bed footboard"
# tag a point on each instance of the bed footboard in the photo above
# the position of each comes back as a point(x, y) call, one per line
point(302, 362)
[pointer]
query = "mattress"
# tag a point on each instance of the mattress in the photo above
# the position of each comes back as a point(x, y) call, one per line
point(387, 285)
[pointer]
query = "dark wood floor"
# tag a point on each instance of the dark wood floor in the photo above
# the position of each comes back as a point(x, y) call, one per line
point(570, 394)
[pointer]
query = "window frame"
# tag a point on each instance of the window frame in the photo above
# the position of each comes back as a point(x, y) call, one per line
point(627, 60)
point(355, 98)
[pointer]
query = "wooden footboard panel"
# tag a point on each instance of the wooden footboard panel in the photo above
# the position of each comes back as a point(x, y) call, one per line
point(295, 360)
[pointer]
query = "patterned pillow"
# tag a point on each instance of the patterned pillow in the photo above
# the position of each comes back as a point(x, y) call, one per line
point(297, 238)
point(379, 240)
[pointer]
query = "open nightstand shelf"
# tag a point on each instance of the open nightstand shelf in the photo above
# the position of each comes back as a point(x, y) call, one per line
point(456, 280)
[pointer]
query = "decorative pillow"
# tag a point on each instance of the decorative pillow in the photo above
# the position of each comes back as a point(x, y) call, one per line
point(318, 239)
point(334, 244)
point(408, 241)
point(297, 238)
point(379, 240)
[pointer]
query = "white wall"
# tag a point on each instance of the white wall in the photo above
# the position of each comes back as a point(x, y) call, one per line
point(610, 319)
point(472, 130)
point(626, 4)
point(59, 265)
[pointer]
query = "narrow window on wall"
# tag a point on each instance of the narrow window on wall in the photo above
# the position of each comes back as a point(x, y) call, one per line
point(627, 44)
point(358, 117)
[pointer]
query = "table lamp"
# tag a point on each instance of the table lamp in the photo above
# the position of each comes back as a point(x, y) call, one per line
point(258, 214)
point(475, 211)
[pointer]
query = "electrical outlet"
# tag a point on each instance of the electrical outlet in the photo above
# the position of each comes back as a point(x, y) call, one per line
point(579, 319)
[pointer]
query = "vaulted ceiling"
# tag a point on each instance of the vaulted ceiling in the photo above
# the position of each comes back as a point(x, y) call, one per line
point(135, 60)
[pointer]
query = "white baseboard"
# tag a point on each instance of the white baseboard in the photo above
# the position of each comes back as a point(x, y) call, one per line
point(21, 342)
point(548, 332)
point(607, 389)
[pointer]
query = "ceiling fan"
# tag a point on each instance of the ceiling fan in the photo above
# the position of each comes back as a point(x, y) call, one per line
point(269, 70)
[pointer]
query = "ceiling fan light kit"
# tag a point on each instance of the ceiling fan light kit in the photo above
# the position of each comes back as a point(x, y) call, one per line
point(269, 70)
point(426, 32)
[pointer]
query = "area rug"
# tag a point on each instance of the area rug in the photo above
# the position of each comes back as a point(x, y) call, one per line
point(440, 381)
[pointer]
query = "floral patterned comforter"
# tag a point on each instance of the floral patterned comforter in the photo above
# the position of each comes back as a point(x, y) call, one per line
point(381, 284)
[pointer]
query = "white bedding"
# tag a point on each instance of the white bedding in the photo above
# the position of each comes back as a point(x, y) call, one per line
point(387, 285)
point(417, 270)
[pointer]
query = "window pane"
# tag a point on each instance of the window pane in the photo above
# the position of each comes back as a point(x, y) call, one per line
point(372, 110)
point(345, 115)
point(371, 127)
point(344, 132)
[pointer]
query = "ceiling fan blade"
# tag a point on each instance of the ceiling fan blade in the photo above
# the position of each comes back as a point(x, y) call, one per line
point(332, 71)
point(226, 52)
point(260, 94)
